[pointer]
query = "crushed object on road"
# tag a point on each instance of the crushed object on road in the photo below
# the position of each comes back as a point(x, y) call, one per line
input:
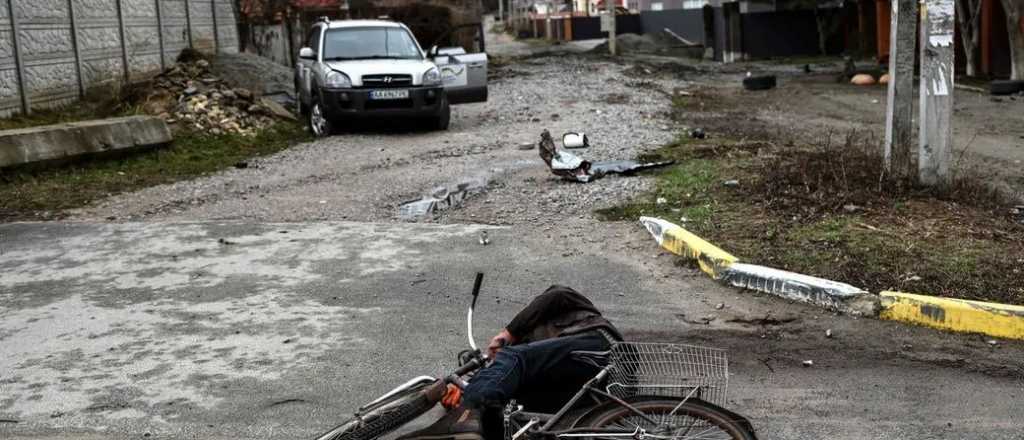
point(440, 199)
point(571, 167)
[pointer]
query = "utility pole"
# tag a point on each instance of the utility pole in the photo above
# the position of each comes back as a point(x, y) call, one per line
point(610, 24)
point(935, 149)
point(899, 115)
point(501, 10)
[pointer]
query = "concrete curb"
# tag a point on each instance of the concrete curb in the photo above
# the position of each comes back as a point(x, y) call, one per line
point(959, 315)
point(726, 268)
point(679, 241)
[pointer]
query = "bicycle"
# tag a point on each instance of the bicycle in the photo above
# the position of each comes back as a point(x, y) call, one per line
point(643, 391)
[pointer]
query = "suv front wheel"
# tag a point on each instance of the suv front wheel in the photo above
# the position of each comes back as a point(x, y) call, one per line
point(319, 124)
point(443, 117)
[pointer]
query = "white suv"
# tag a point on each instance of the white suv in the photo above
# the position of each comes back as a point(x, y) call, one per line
point(354, 68)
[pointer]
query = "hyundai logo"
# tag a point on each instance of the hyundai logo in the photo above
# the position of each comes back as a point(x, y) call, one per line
point(387, 80)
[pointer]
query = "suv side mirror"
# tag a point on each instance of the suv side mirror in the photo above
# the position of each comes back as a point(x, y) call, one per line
point(307, 54)
point(432, 52)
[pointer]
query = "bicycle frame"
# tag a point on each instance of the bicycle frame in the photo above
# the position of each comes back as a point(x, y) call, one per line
point(550, 420)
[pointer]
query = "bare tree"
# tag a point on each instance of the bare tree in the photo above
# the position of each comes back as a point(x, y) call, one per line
point(1014, 9)
point(969, 16)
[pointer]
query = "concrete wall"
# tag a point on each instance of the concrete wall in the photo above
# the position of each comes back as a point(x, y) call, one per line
point(64, 47)
point(688, 23)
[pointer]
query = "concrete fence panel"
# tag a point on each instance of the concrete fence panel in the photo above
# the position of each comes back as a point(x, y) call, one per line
point(53, 51)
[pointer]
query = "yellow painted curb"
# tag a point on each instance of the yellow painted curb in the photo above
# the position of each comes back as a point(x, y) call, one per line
point(679, 241)
point(997, 320)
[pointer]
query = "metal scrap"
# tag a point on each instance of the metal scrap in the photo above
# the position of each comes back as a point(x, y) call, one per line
point(572, 167)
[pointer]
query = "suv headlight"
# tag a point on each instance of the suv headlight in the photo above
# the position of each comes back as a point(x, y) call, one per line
point(337, 80)
point(432, 77)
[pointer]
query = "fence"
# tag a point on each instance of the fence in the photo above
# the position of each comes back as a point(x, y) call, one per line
point(53, 51)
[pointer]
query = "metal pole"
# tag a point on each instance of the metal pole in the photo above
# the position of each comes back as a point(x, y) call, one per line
point(501, 9)
point(899, 113)
point(160, 34)
point(124, 42)
point(216, 39)
point(935, 149)
point(78, 50)
point(188, 22)
point(19, 65)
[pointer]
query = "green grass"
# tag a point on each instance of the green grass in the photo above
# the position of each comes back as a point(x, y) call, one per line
point(44, 194)
point(884, 248)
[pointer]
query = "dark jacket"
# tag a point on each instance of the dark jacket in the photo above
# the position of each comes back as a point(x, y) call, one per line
point(559, 311)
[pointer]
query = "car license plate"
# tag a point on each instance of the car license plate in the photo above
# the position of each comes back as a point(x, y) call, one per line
point(389, 94)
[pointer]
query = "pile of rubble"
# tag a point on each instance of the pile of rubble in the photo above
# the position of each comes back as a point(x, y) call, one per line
point(190, 95)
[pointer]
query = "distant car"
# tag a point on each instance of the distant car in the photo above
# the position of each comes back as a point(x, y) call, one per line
point(376, 68)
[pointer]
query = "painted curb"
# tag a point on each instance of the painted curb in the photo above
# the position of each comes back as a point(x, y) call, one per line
point(726, 268)
point(829, 294)
point(959, 315)
point(679, 241)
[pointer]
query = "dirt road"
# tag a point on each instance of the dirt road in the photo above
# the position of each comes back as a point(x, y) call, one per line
point(269, 302)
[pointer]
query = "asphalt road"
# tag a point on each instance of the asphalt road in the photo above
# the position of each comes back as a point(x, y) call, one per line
point(254, 329)
point(272, 331)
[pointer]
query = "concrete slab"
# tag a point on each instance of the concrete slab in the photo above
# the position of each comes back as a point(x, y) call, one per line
point(63, 141)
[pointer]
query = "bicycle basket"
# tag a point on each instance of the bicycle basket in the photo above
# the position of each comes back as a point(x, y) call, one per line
point(672, 370)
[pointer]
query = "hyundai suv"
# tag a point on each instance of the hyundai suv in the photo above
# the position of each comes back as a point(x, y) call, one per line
point(357, 68)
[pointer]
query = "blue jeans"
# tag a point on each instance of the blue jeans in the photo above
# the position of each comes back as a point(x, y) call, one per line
point(540, 375)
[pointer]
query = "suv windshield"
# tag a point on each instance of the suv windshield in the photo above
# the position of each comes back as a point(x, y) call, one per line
point(367, 43)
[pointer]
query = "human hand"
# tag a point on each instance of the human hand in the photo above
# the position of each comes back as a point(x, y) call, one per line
point(498, 342)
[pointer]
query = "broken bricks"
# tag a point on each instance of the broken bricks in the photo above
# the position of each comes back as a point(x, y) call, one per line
point(572, 167)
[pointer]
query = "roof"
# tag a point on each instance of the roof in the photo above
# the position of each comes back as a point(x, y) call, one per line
point(335, 24)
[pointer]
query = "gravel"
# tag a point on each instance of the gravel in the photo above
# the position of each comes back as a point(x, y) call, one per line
point(366, 174)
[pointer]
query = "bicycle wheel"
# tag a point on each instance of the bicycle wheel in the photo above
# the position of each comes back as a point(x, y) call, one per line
point(694, 419)
point(400, 410)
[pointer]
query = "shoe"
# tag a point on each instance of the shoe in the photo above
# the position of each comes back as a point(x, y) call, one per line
point(460, 423)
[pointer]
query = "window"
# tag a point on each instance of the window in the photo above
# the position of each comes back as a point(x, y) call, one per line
point(657, 6)
point(370, 43)
point(693, 4)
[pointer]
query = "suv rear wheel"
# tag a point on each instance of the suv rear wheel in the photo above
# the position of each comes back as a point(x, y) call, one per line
point(319, 124)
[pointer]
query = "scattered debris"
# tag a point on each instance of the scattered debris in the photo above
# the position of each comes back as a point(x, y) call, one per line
point(731, 183)
point(661, 201)
point(440, 199)
point(851, 208)
point(719, 306)
point(698, 133)
point(525, 146)
point(226, 242)
point(828, 333)
point(808, 363)
point(762, 82)
point(992, 342)
point(483, 238)
point(571, 167)
point(575, 140)
point(190, 95)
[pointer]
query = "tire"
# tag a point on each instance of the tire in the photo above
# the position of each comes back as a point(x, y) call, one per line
point(709, 421)
point(763, 82)
point(400, 410)
point(319, 124)
point(443, 118)
point(1001, 87)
